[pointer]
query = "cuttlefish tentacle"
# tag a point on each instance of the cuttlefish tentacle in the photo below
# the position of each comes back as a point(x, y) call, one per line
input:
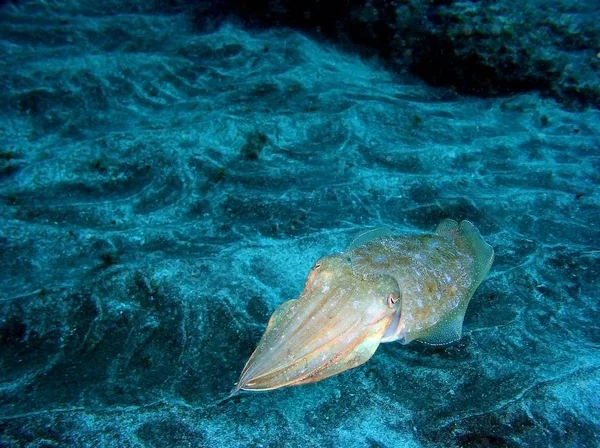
point(383, 288)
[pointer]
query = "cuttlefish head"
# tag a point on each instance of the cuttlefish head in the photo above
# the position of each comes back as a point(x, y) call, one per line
point(336, 324)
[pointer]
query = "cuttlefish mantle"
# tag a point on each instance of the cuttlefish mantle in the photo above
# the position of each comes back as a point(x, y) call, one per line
point(384, 288)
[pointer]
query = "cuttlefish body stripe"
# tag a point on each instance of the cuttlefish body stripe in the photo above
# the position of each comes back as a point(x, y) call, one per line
point(300, 361)
point(315, 345)
point(312, 344)
point(312, 376)
point(383, 288)
point(284, 340)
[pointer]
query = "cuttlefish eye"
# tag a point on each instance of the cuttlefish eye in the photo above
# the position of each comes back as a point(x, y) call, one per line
point(392, 298)
point(313, 273)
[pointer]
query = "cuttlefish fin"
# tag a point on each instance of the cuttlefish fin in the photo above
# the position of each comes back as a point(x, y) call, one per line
point(447, 330)
point(466, 235)
point(448, 227)
point(369, 235)
point(483, 253)
point(279, 312)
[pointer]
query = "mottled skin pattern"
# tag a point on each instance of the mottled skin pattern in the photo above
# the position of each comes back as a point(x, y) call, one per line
point(428, 292)
point(386, 288)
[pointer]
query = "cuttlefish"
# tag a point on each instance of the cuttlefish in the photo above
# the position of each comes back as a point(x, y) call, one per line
point(383, 288)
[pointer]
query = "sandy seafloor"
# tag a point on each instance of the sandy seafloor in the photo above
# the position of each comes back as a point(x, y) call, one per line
point(162, 191)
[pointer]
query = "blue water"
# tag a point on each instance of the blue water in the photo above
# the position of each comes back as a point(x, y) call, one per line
point(165, 185)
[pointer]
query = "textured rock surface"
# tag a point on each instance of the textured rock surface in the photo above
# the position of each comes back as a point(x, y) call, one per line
point(482, 48)
point(162, 191)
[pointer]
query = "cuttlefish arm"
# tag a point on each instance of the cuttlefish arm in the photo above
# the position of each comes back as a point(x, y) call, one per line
point(384, 288)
